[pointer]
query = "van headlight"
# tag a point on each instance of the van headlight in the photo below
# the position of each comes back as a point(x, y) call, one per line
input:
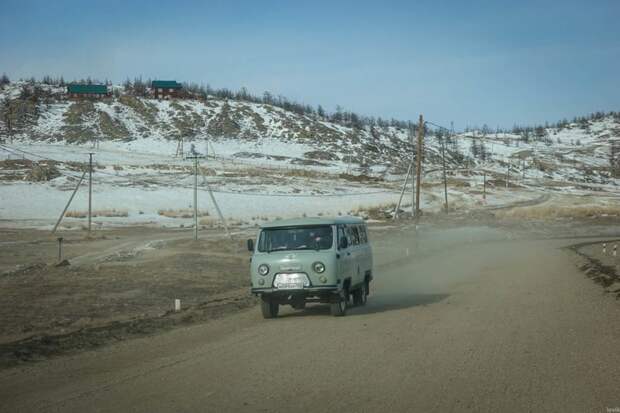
point(263, 269)
point(318, 267)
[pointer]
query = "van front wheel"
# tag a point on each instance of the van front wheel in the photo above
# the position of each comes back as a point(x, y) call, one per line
point(338, 306)
point(269, 308)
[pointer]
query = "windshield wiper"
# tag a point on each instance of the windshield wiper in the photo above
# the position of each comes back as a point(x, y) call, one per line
point(276, 249)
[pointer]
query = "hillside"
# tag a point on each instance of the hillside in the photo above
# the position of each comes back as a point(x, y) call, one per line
point(259, 151)
point(128, 118)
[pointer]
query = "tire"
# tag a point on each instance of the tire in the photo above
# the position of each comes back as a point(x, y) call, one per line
point(269, 308)
point(338, 306)
point(360, 295)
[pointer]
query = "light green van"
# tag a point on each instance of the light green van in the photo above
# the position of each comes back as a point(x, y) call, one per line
point(306, 260)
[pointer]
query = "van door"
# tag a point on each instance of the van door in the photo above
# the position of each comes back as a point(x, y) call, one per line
point(356, 255)
point(345, 260)
point(367, 249)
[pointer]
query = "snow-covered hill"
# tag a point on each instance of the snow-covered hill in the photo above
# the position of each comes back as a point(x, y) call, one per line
point(265, 162)
point(266, 127)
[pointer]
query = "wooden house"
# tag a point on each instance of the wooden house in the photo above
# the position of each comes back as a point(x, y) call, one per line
point(165, 89)
point(77, 91)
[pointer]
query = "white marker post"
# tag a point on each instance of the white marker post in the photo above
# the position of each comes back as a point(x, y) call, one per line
point(615, 249)
point(177, 304)
point(604, 248)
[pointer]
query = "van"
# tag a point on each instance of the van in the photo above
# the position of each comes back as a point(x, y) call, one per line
point(309, 260)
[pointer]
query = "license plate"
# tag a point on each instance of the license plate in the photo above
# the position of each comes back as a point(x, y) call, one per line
point(291, 286)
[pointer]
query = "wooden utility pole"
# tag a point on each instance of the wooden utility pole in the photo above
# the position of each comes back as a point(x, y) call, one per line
point(9, 129)
point(217, 207)
point(179, 147)
point(90, 190)
point(195, 199)
point(9, 126)
point(419, 166)
point(508, 174)
point(412, 134)
point(64, 211)
point(445, 179)
point(195, 158)
point(403, 191)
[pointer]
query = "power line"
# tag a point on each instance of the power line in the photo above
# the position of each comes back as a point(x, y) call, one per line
point(438, 126)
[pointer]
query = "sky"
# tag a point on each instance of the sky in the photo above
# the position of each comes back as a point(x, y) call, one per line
point(470, 62)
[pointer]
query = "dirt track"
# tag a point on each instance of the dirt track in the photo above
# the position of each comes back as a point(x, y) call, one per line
point(470, 320)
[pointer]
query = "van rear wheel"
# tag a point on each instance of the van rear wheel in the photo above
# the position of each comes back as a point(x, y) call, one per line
point(269, 308)
point(360, 296)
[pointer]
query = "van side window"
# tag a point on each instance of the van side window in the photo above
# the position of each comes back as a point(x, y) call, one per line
point(355, 234)
point(341, 234)
point(363, 236)
point(349, 233)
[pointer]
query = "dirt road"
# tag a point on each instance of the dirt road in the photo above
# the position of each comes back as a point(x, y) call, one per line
point(459, 319)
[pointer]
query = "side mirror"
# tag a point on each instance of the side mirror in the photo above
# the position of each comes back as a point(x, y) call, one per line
point(344, 243)
point(251, 245)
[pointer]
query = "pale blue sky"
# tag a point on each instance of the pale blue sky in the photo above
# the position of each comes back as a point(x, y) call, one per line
point(473, 62)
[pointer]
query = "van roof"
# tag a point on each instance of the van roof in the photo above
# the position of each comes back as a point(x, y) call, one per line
point(298, 222)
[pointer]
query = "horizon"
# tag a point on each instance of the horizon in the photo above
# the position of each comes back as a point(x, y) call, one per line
point(482, 64)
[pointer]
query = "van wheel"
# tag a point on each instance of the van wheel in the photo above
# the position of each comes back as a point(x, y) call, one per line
point(338, 306)
point(269, 308)
point(360, 295)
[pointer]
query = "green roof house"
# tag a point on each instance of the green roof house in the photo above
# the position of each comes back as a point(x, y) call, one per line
point(164, 89)
point(75, 90)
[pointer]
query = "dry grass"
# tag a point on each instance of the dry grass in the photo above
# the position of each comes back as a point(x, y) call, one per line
point(553, 212)
point(208, 221)
point(379, 212)
point(181, 213)
point(297, 172)
point(98, 213)
point(216, 222)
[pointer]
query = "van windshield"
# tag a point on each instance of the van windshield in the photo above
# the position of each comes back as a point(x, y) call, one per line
point(296, 238)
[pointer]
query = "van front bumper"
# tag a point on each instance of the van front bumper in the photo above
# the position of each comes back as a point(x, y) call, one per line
point(314, 290)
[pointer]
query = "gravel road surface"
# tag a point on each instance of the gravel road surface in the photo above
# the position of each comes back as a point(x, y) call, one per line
point(467, 319)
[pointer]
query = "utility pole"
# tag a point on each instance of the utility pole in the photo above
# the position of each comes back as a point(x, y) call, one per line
point(195, 199)
point(7, 120)
point(419, 166)
point(90, 190)
point(484, 185)
point(8, 123)
point(508, 174)
point(403, 191)
point(348, 161)
point(179, 147)
point(411, 133)
point(195, 158)
point(445, 180)
point(206, 137)
point(64, 211)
